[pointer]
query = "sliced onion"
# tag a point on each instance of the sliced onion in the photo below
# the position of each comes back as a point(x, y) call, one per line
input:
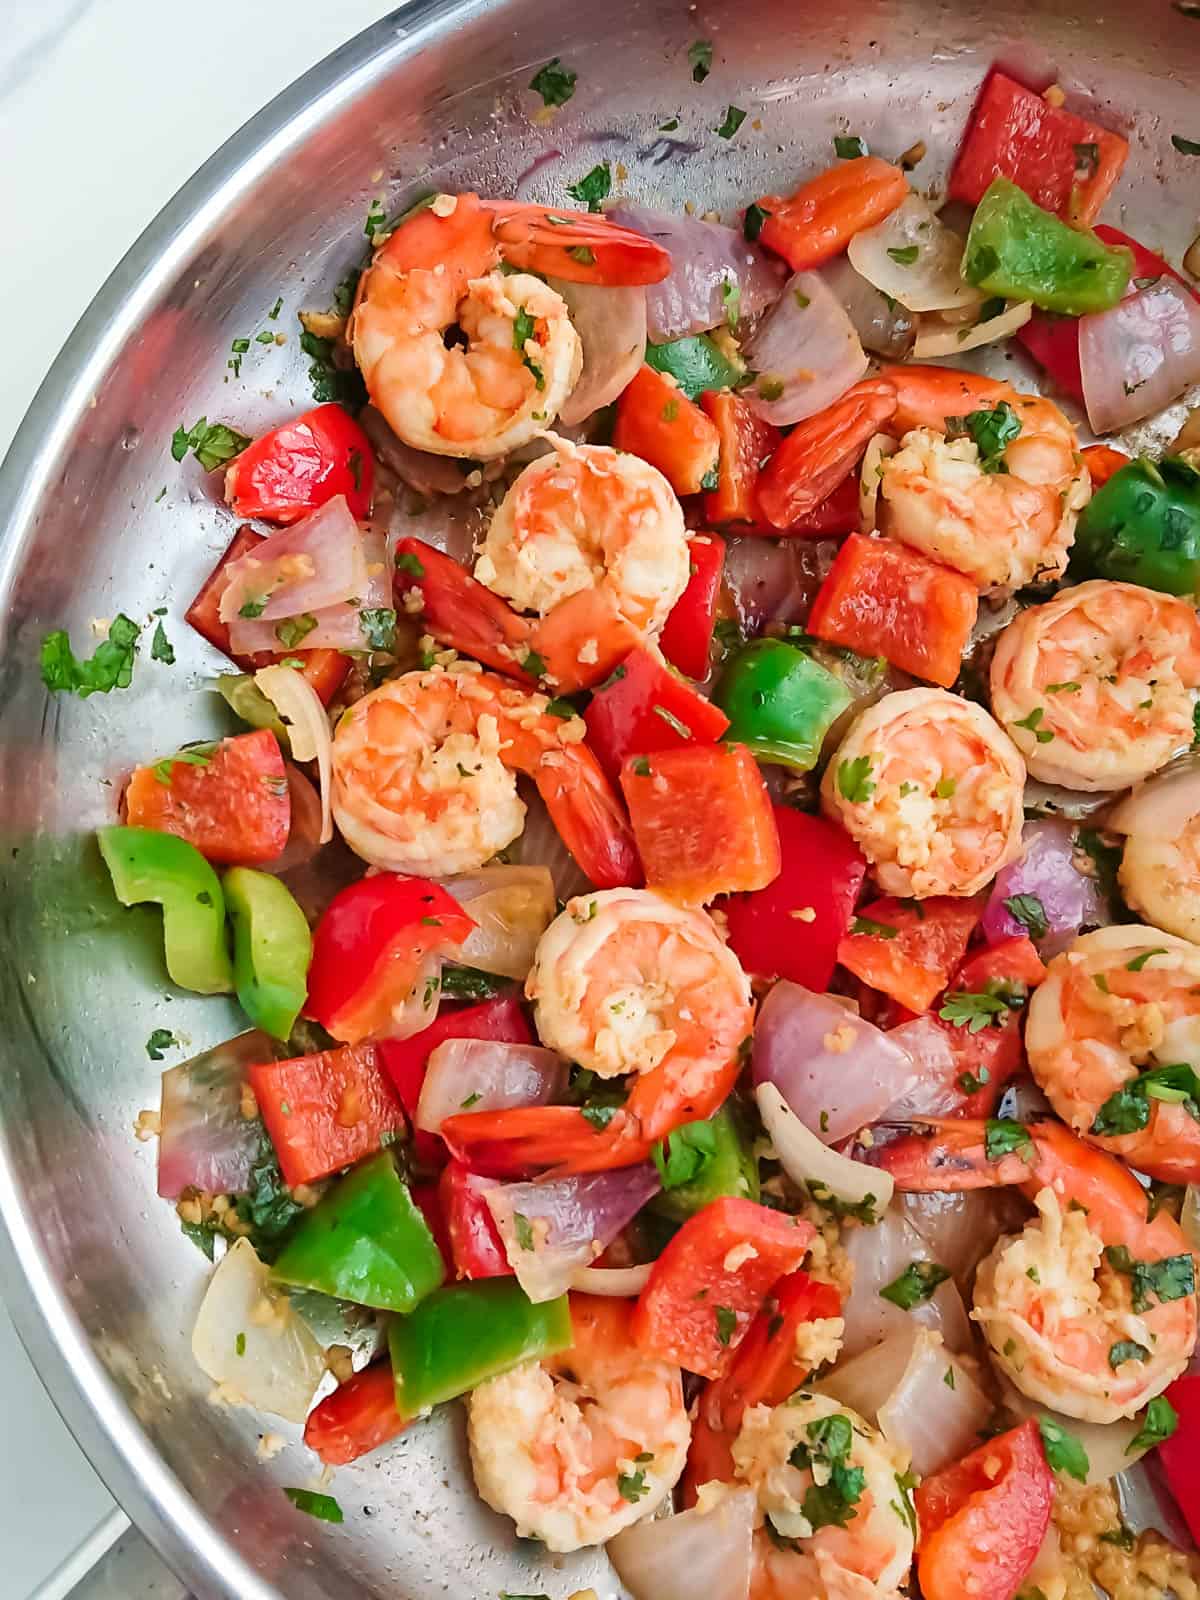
point(935, 342)
point(835, 1070)
point(1163, 805)
point(1139, 356)
point(1048, 870)
point(512, 908)
point(454, 527)
point(813, 1165)
point(879, 446)
point(425, 473)
point(775, 580)
point(419, 1006)
point(882, 324)
point(317, 562)
point(486, 1075)
point(335, 627)
point(961, 1226)
point(614, 1282)
point(611, 324)
point(298, 704)
point(542, 843)
point(248, 1339)
point(697, 1553)
point(1108, 1444)
point(704, 257)
point(304, 831)
point(204, 1140)
point(935, 1091)
point(807, 345)
point(551, 1229)
point(878, 1256)
point(932, 280)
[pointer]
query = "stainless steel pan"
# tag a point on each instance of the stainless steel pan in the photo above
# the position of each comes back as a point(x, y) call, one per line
point(106, 1286)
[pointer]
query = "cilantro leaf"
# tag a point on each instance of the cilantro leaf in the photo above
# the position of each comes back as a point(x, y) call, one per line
point(468, 983)
point(992, 430)
point(1160, 1421)
point(753, 220)
point(1186, 147)
point(213, 443)
point(1126, 1350)
point(915, 1284)
point(854, 780)
point(904, 255)
point(726, 1324)
point(1029, 911)
point(407, 562)
point(110, 667)
point(847, 146)
point(291, 630)
point(685, 1153)
point(734, 117)
point(523, 1230)
point(972, 1010)
point(1172, 1278)
point(1063, 1450)
point(322, 1506)
point(378, 625)
point(161, 648)
point(1128, 1109)
point(1002, 1136)
point(700, 55)
point(632, 1486)
point(1033, 723)
point(161, 1039)
point(554, 82)
point(594, 187)
point(876, 930)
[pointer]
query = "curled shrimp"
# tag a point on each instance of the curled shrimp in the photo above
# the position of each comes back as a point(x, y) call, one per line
point(1121, 1002)
point(1160, 865)
point(1097, 687)
point(1002, 528)
point(554, 1443)
point(931, 789)
point(424, 777)
point(868, 1557)
point(624, 983)
point(1091, 1309)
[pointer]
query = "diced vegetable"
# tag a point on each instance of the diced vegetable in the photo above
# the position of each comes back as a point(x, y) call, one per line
point(229, 799)
point(909, 950)
point(882, 598)
point(611, 324)
point(1143, 526)
point(805, 353)
point(486, 1075)
point(746, 443)
point(326, 1111)
point(780, 702)
point(883, 325)
point(701, 1161)
point(358, 1416)
point(511, 908)
point(692, 853)
point(271, 949)
point(301, 710)
point(686, 638)
point(369, 951)
point(793, 926)
point(1063, 162)
point(366, 1242)
point(815, 1167)
point(696, 364)
point(205, 1141)
point(460, 611)
point(462, 1334)
point(1017, 250)
point(475, 1243)
point(1138, 357)
point(696, 1552)
point(882, 1254)
point(657, 421)
point(644, 707)
point(146, 865)
point(819, 220)
point(913, 257)
point(1045, 892)
point(820, 454)
point(301, 465)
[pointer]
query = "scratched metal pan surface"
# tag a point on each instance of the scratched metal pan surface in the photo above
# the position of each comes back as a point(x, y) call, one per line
point(106, 1286)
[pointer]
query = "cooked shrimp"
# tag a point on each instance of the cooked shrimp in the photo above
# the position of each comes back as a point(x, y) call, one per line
point(581, 1445)
point(932, 791)
point(624, 983)
point(1160, 865)
point(795, 1456)
point(1091, 1310)
point(437, 273)
point(1097, 687)
point(593, 541)
point(1002, 521)
point(424, 777)
point(1119, 1003)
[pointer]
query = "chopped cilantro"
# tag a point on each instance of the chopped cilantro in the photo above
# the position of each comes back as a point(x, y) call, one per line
point(110, 667)
point(1126, 1350)
point(469, 983)
point(161, 1039)
point(734, 117)
point(601, 1116)
point(684, 1154)
point(1002, 1137)
point(1139, 962)
point(1029, 911)
point(854, 780)
point(1186, 147)
point(1032, 724)
point(1172, 1278)
point(1128, 1109)
point(972, 1082)
point(322, 1506)
point(731, 298)
point(1064, 1452)
point(915, 1284)
point(291, 630)
point(848, 145)
point(876, 930)
point(407, 562)
point(523, 1230)
point(753, 221)
point(253, 607)
point(213, 443)
point(561, 707)
point(973, 1010)
point(583, 253)
point(161, 648)
point(327, 379)
point(700, 56)
point(992, 430)
point(554, 82)
point(641, 767)
point(726, 1324)
point(1159, 1423)
point(632, 1486)
point(904, 255)
point(239, 1344)
point(945, 788)
point(378, 625)
point(534, 665)
point(594, 187)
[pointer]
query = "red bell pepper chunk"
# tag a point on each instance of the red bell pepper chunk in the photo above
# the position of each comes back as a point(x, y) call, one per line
point(883, 599)
point(914, 959)
point(300, 465)
point(460, 611)
point(428, 1201)
point(325, 669)
point(824, 214)
point(476, 1249)
point(1007, 961)
point(644, 707)
point(1102, 461)
point(983, 1519)
point(657, 421)
point(746, 443)
point(834, 516)
point(1179, 1455)
point(358, 1416)
point(702, 820)
point(232, 803)
point(686, 638)
point(1064, 163)
point(369, 946)
point(405, 1060)
point(764, 1372)
point(694, 1310)
point(792, 928)
point(326, 1111)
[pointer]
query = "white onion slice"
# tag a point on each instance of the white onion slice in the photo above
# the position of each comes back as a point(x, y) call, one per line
point(419, 1006)
point(878, 1256)
point(932, 279)
point(961, 1226)
point(316, 562)
point(298, 703)
point(335, 627)
point(805, 351)
point(879, 446)
point(807, 1161)
point(698, 1553)
point(624, 1283)
point(882, 324)
point(489, 1073)
point(1139, 356)
point(935, 343)
point(611, 324)
point(1107, 1443)
point(512, 908)
point(280, 1364)
point(1163, 805)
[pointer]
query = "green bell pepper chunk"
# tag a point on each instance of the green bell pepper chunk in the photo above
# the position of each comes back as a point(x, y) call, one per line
point(780, 702)
point(366, 1242)
point(146, 864)
point(696, 364)
point(1017, 250)
point(701, 1161)
point(272, 947)
point(1143, 526)
point(466, 1333)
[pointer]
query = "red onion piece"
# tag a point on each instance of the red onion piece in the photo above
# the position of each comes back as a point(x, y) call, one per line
point(808, 345)
point(204, 1141)
point(1046, 869)
point(423, 472)
point(611, 324)
point(453, 526)
point(934, 1091)
point(490, 1075)
point(775, 580)
point(550, 1229)
point(512, 907)
point(339, 626)
point(883, 326)
point(1139, 356)
point(304, 833)
point(704, 256)
point(317, 562)
point(709, 1553)
point(837, 1072)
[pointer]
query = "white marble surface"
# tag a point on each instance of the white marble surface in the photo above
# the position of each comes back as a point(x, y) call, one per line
point(106, 108)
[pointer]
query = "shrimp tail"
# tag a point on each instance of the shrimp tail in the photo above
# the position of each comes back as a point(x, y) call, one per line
point(462, 613)
point(588, 816)
point(575, 245)
point(927, 396)
point(523, 1140)
point(947, 1155)
point(821, 451)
